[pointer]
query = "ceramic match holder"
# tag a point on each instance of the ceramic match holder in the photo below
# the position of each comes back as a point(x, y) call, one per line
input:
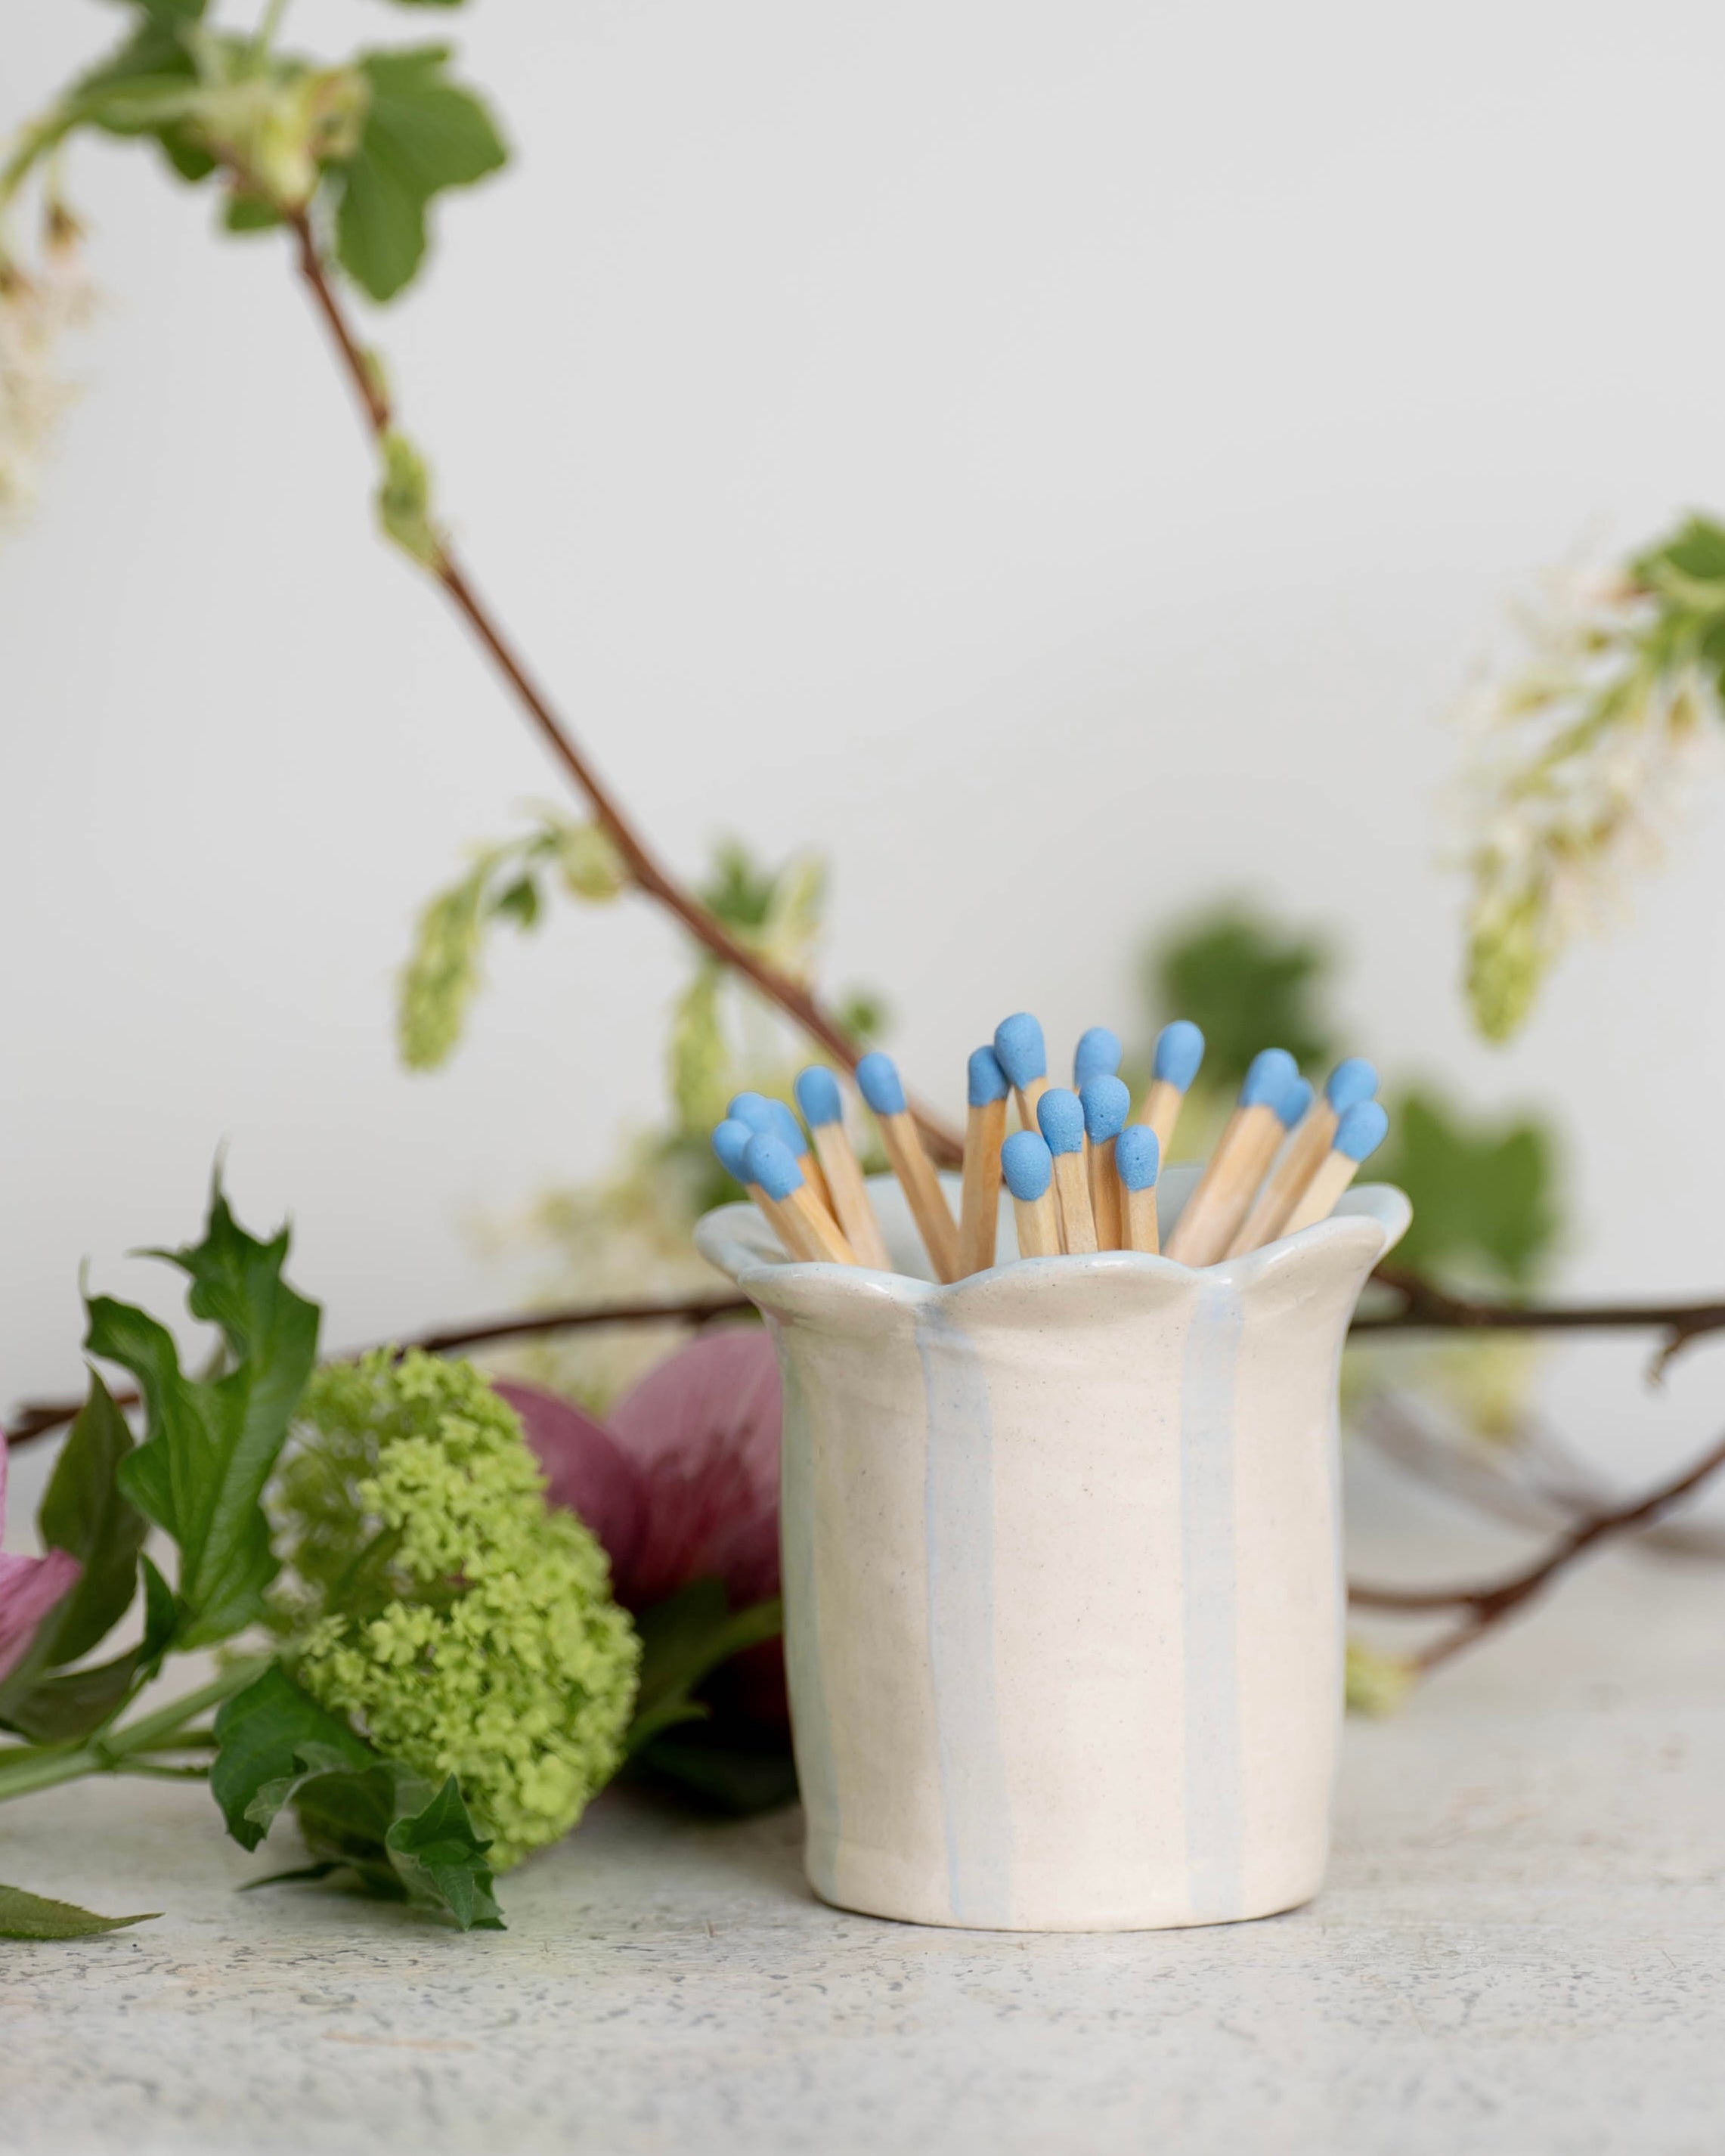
point(1062, 1570)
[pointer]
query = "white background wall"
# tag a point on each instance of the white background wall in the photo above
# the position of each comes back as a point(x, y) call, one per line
point(1062, 461)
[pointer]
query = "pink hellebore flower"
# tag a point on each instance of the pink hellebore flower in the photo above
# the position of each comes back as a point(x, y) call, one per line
point(29, 1588)
point(683, 1482)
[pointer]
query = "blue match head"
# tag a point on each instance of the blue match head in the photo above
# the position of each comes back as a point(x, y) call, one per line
point(1293, 1101)
point(819, 1097)
point(987, 1081)
point(1019, 1046)
point(1098, 1055)
point(1361, 1130)
point(1355, 1080)
point(1138, 1156)
point(1061, 1117)
point(1179, 1052)
point(1106, 1104)
point(880, 1083)
point(1272, 1070)
point(785, 1126)
point(771, 1163)
point(755, 1110)
point(730, 1142)
point(1027, 1164)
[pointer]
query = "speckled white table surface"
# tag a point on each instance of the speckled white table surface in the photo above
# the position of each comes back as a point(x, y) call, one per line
point(1521, 1951)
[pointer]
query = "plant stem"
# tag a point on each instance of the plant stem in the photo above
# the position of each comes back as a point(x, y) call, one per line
point(43, 1770)
point(1489, 1602)
point(647, 871)
point(119, 1751)
point(151, 1731)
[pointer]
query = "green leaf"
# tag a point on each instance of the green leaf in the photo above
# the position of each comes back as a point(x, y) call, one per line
point(249, 213)
point(1247, 984)
point(34, 1916)
point(403, 500)
point(438, 1856)
point(84, 1513)
point(683, 1640)
point(259, 1734)
point(167, 14)
point(64, 1709)
point(519, 903)
point(423, 133)
point(209, 1447)
point(373, 1817)
point(1484, 1194)
point(1697, 552)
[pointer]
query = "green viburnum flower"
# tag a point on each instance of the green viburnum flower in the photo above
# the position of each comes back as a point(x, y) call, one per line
point(433, 1596)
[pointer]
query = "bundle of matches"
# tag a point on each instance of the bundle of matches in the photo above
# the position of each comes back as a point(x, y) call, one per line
point(1082, 1170)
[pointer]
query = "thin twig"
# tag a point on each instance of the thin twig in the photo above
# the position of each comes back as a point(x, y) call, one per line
point(39, 1417)
point(1488, 1602)
point(1427, 1307)
point(648, 872)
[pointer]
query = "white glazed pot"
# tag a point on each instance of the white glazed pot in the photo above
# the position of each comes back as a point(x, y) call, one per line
point(1062, 1571)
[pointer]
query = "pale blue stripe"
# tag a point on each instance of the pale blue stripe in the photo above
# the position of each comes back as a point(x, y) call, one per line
point(811, 1728)
point(959, 1514)
point(1214, 1817)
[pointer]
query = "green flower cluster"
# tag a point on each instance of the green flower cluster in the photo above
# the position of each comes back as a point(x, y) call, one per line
point(435, 1597)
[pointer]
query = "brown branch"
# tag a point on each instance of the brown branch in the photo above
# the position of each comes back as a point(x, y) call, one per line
point(1427, 1307)
point(40, 1418)
point(1489, 1602)
point(647, 871)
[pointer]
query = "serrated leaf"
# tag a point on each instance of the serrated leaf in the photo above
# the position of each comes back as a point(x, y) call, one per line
point(1247, 984)
point(421, 134)
point(34, 1916)
point(209, 1447)
point(259, 1734)
point(441, 1859)
point(1484, 1193)
point(359, 1813)
point(84, 1513)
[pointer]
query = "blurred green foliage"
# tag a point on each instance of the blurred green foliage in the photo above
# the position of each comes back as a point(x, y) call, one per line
point(1484, 1190)
point(1248, 982)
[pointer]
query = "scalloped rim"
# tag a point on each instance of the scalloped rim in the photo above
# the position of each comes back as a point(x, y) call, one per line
point(733, 1237)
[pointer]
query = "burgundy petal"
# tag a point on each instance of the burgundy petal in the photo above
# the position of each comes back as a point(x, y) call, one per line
point(589, 1472)
point(704, 1430)
point(29, 1588)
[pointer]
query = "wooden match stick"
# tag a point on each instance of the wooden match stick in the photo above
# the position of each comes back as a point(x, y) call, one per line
point(1214, 1210)
point(1022, 1055)
point(1098, 1055)
point(1359, 1133)
point(877, 1077)
point(819, 1097)
point(1179, 1053)
point(730, 1141)
point(1029, 1169)
point(1106, 1104)
point(762, 1112)
point(1138, 1162)
point(984, 1133)
point(1352, 1080)
point(1061, 1119)
point(804, 1225)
